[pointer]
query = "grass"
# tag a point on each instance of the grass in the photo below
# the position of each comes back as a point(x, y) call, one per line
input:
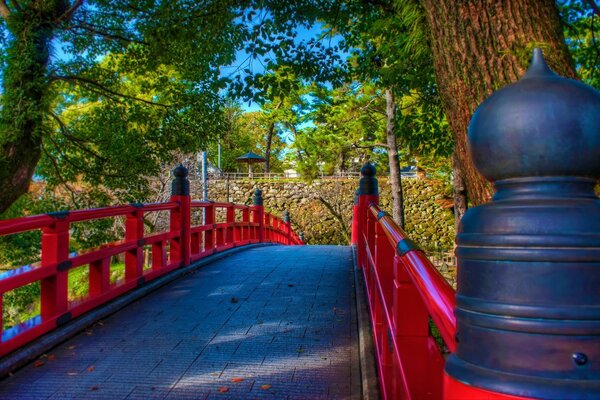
point(23, 303)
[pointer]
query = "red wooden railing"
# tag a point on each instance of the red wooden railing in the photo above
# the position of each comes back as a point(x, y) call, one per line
point(177, 247)
point(408, 299)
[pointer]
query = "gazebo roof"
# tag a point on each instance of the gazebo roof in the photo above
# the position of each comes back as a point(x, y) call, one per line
point(251, 157)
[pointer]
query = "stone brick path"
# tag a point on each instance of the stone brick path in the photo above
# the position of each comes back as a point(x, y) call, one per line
point(266, 323)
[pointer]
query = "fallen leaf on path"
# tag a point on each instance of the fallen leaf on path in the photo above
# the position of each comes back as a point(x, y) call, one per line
point(237, 380)
point(223, 389)
point(94, 388)
point(91, 368)
point(38, 363)
point(51, 357)
point(265, 387)
point(70, 347)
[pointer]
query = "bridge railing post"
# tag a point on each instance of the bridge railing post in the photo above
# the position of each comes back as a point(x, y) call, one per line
point(354, 235)
point(134, 232)
point(529, 261)
point(259, 215)
point(181, 216)
point(55, 250)
point(231, 228)
point(210, 234)
point(287, 227)
point(368, 193)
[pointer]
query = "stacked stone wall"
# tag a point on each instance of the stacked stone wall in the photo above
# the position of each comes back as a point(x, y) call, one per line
point(322, 209)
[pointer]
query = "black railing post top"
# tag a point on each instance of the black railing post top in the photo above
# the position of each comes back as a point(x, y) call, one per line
point(542, 125)
point(258, 199)
point(527, 259)
point(181, 184)
point(286, 216)
point(368, 183)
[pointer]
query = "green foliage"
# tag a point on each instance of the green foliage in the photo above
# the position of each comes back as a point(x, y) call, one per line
point(348, 126)
point(128, 89)
point(582, 31)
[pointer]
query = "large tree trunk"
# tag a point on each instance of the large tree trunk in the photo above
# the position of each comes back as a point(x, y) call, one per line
point(481, 45)
point(24, 106)
point(395, 175)
point(25, 101)
point(268, 147)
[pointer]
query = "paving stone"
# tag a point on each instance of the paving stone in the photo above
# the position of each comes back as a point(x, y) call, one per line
point(278, 321)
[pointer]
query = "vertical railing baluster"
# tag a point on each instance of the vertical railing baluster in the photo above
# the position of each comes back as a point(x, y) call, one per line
point(134, 233)
point(181, 216)
point(229, 237)
point(368, 194)
point(259, 215)
point(55, 250)
point(210, 233)
point(287, 228)
point(245, 230)
point(99, 278)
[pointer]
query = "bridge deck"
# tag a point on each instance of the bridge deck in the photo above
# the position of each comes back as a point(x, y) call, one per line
point(266, 323)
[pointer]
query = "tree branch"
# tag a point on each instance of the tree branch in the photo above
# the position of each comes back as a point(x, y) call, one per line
point(357, 146)
point(337, 216)
point(16, 5)
point(70, 11)
point(384, 5)
point(94, 31)
point(594, 6)
point(4, 10)
point(59, 175)
point(75, 140)
point(87, 81)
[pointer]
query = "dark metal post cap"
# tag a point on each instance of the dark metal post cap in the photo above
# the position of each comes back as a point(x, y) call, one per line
point(368, 184)
point(542, 125)
point(286, 216)
point(180, 185)
point(181, 171)
point(258, 199)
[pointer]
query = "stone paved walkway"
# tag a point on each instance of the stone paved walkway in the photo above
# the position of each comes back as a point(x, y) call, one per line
point(267, 323)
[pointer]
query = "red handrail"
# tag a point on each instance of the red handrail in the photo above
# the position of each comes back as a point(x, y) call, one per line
point(436, 293)
point(405, 292)
point(178, 246)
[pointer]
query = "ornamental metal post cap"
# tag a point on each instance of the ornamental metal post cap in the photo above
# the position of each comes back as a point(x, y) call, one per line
point(258, 199)
point(180, 185)
point(542, 125)
point(527, 299)
point(286, 216)
point(368, 183)
point(180, 171)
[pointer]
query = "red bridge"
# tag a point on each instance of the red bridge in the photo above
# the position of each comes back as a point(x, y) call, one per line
point(233, 305)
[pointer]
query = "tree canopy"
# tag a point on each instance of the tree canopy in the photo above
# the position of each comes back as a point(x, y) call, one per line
point(102, 94)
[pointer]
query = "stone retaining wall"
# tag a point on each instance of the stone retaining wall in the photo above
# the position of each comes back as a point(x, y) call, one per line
point(322, 209)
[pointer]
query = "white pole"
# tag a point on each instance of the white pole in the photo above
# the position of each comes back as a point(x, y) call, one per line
point(204, 177)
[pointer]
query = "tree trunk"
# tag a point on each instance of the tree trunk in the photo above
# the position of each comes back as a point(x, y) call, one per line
point(481, 45)
point(268, 147)
point(24, 106)
point(395, 175)
point(460, 192)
